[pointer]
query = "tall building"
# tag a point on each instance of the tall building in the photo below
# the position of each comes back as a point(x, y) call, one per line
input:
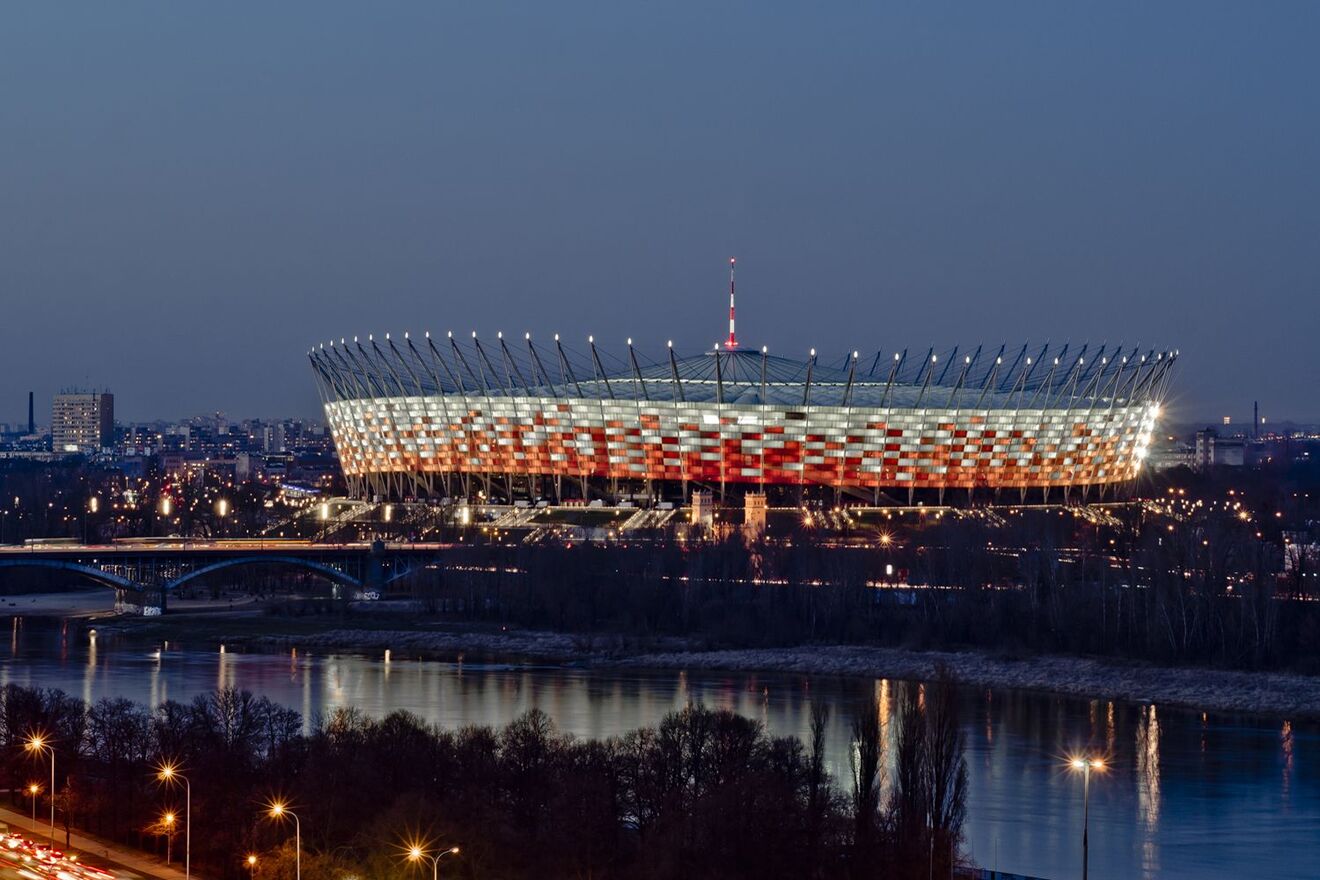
point(82, 422)
point(1215, 451)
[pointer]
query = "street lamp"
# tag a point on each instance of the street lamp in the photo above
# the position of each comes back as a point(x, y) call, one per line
point(417, 854)
point(1085, 766)
point(279, 810)
point(251, 862)
point(33, 790)
point(167, 822)
point(170, 773)
point(38, 743)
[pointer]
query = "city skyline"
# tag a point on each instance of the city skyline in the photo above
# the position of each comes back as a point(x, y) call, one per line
point(192, 202)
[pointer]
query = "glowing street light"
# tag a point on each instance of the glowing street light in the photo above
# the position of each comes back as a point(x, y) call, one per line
point(278, 810)
point(33, 790)
point(170, 773)
point(1085, 766)
point(251, 862)
point(167, 822)
point(37, 743)
point(417, 854)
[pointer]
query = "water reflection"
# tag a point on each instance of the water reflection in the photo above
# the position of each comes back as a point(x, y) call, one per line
point(1148, 767)
point(1187, 795)
point(1286, 743)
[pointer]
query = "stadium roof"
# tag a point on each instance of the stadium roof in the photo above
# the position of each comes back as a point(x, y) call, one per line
point(984, 377)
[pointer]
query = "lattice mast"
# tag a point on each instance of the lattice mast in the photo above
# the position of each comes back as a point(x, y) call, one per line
point(733, 336)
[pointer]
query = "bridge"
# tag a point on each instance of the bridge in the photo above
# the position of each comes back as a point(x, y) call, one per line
point(145, 573)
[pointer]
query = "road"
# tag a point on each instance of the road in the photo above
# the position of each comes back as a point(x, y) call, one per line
point(23, 855)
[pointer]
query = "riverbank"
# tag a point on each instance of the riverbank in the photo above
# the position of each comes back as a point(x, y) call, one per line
point(1278, 694)
point(1207, 689)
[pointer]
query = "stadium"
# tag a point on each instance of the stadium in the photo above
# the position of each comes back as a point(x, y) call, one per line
point(520, 422)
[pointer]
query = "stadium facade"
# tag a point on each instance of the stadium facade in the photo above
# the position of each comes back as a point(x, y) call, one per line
point(512, 420)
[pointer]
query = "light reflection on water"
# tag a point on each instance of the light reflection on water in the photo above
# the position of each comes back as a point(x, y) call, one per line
point(1186, 794)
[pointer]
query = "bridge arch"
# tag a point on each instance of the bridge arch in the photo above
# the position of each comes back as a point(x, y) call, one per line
point(91, 572)
point(329, 572)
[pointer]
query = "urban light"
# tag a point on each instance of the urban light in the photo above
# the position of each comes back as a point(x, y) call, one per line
point(37, 742)
point(170, 773)
point(251, 862)
point(33, 790)
point(278, 810)
point(1084, 766)
point(167, 821)
point(417, 854)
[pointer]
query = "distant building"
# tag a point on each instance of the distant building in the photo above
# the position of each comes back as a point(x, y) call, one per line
point(1215, 451)
point(1171, 455)
point(82, 422)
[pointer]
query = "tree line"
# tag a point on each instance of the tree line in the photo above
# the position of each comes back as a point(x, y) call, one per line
point(705, 793)
point(1201, 589)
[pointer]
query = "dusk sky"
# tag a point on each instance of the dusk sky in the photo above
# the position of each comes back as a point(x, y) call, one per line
point(192, 195)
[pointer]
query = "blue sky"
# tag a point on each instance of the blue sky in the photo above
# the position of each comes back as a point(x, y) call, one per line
point(192, 195)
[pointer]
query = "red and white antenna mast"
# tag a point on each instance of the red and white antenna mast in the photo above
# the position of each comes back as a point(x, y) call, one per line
point(733, 337)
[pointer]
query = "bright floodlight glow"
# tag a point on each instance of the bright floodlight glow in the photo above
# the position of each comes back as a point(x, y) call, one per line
point(277, 809)
point(36, 742)
point(415, 852)
point(1078, 764)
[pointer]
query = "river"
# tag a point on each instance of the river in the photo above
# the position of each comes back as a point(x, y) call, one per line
point(1186, 795)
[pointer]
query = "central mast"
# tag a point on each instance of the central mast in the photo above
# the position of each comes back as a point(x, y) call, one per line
point(733, 337)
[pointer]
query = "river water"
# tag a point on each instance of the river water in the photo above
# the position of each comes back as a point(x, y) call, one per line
point(1187, 794)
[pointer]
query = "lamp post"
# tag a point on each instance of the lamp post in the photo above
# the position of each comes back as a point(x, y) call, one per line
point(251, 862)
point(38, 743)
point(1085, 766)
point(33, 790)
point(278, 810)
point(169, 773)
point(167, 822)
point(417, 854)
